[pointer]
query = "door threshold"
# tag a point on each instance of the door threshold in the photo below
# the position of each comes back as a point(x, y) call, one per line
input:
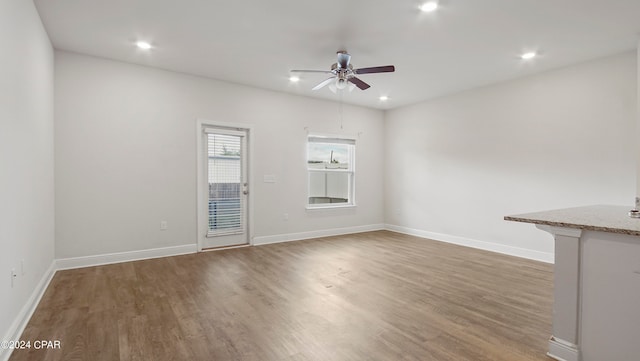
point(225, 247)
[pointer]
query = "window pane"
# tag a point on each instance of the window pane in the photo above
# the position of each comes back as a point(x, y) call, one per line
point(328, 187)
point(330, 162)
point(224, 182)
point(328, 156)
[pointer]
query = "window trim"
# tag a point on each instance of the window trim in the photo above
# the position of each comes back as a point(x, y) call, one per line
point(351, 171)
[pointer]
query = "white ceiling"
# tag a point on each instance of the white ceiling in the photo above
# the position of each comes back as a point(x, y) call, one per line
point(464, 44)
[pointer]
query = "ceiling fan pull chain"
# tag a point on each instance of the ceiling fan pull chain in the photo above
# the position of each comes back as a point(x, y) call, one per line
point(340, 111)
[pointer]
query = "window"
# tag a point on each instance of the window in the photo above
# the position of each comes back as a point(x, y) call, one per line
point(330, 164)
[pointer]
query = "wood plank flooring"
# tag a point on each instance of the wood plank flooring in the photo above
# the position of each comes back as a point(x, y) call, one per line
point(368, 296)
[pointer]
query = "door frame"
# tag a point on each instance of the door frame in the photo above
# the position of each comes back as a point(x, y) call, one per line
point(201, 176)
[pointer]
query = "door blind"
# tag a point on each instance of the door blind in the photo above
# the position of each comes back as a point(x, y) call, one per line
point(225, 184)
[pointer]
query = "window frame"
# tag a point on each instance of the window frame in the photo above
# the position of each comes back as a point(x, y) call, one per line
point(351, 171)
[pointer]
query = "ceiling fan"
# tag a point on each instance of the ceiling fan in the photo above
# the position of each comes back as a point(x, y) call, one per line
point(343, 73)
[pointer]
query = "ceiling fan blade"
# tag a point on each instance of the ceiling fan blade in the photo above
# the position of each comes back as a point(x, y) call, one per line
point(359, 83)
point(324, 82)
point(375, 69)
point(343, 59)
point(311, 71)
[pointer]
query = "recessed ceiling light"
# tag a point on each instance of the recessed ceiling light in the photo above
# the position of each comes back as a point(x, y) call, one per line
point(529, 55)
point(143, 45)
point(384, 98)
point(294, 79)
point(429, 6)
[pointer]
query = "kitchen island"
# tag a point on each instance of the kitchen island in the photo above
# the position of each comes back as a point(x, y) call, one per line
point(596, 309)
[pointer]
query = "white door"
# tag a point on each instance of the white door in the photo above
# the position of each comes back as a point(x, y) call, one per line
point(225, 188)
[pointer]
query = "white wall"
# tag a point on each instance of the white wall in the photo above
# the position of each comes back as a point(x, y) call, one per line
point(456, 166)
point(126, 155)
point(26, 157)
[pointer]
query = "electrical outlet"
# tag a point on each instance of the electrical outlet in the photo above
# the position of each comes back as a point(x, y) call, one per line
point(14, 275)
point(285, 217)
point(163, 225)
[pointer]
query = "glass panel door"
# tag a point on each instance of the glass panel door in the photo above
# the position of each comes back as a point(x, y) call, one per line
point(227, 188)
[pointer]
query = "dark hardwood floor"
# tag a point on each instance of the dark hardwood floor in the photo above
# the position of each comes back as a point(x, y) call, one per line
point(368, 296)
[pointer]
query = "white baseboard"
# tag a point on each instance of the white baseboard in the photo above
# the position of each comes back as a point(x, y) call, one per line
point(103, 259)
point(562, 350)
point(468, 242)
point(22, 318)
point(257, 241)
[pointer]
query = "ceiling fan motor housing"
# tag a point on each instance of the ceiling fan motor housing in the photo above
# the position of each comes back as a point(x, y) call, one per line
point(337, 69)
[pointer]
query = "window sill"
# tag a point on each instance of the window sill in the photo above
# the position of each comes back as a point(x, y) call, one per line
point(313, 208)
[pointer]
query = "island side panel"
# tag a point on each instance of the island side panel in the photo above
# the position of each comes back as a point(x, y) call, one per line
point(610, 325)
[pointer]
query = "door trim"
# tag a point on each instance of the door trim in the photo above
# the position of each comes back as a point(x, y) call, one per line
point(201, 216)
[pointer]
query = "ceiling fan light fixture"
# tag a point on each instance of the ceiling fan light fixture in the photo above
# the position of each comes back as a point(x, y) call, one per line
point(143, 45)
point(429, 6)
point(341, 83)
point(529, 55)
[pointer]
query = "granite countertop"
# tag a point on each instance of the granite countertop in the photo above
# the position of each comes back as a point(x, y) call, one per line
point(614, 219)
